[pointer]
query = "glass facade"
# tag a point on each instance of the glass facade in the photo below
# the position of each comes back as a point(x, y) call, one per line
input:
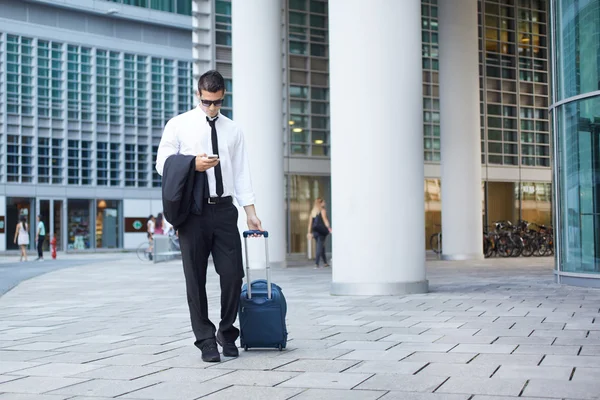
point(308, 78)
point(577, 129)
point(84, 116)
point(183, 7)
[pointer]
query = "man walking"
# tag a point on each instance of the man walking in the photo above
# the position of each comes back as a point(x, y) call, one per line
point(212, 225)
point(40, 236)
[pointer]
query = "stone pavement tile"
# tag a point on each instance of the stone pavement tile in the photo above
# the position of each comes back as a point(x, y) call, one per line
point(485, 324)
point(318, 366)
point(550, 326)
point(460, 370)
point(487, 386)
point(372, 336)
point(404, 331)
point(406, 383)
point(571, 361)
point(312, 343)
point(468, 339)
point(192, 359)
point(182, 390)
point(333, 394)
point(254, 378)
point(557, 389)
point(394, 367)
point(9, 366)
point(315, 354)
point(484, 348)
point(393, 395)
point(104, 387)
point(8, 378)
point(364, 345)
point(425, 347)
point(375, 355)
point(19, 396)
point(586, 374)
point(346, 329)
point(423, 338)
point(554, 333)
point(561, 341)
point(119, 372)
point(104, 339)
point(525, 340)
point(186, 374)
point(533, 372)
point(145, 349)
point(483, 397)
point(504, 332)
point(445, 358)
point(507, 359)
point(454, 332)
point(132, 359)
point(37, 346)
point(37, 384)
point(590, 351)
point(545, 349)
point(250, 363)
point(326, 380)
point(79, 358)
point(255, 393)
point(19, 336)
point(56, 369)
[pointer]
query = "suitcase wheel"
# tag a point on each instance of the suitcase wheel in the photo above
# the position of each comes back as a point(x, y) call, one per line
point(280, 348)
point(246, 348)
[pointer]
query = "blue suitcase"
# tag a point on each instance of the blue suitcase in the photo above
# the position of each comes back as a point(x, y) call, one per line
point(262, 308)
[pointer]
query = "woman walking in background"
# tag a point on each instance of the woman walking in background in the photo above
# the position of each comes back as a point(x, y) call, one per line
point(160, 221)
point(319, 228)
point(22, 237)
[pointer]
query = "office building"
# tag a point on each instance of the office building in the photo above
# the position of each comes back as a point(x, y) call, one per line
point(575, 105)
point(79, 146)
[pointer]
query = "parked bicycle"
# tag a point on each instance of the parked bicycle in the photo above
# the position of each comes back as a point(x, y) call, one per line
point(504, 239)
point(145, 249)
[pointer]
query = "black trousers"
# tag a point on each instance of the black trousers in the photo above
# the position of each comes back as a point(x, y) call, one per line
point(40, 246)
point(320, 249)
point(214, 231)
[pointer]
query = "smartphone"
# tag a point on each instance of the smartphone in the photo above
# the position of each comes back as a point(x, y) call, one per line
point(212, 156)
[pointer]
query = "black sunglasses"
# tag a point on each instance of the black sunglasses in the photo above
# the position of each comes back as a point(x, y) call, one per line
point(208, 103)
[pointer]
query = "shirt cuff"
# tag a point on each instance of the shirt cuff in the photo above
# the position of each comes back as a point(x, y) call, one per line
point(246, 199)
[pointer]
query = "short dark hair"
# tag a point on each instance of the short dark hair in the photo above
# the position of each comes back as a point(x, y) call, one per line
point(211, 81)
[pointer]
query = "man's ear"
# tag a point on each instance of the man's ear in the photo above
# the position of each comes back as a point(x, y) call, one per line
point(198, 94)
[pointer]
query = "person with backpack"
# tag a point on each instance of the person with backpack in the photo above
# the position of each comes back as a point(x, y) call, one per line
point(22, 237)
point(319, 228)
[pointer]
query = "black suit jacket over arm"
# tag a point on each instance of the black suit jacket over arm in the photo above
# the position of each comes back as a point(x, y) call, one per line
point(179, 177)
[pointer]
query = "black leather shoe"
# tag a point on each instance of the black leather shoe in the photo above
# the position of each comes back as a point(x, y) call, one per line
point(210, 352)
point(229, 349)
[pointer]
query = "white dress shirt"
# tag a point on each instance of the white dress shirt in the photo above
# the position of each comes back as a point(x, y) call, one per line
point(190, 134)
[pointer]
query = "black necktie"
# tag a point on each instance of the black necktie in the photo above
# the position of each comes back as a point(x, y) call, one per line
point(215, 149)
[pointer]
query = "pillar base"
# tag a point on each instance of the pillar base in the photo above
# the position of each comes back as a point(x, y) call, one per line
point(379, 288)
point(462, 257)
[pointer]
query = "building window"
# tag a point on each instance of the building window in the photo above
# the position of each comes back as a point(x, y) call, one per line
point(78, 224)
point(107, 224)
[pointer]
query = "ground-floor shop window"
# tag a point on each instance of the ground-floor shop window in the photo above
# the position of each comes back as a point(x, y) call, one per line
point(107, 224)
point(78, 224)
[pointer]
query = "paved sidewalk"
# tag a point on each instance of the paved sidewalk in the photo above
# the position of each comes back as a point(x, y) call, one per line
point(495, 329)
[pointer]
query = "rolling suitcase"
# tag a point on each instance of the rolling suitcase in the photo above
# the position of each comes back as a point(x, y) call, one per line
point(262, 308)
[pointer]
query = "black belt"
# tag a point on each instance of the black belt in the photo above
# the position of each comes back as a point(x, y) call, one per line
point(219, 200)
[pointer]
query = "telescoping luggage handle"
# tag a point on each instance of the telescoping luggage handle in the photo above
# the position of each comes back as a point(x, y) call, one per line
point(264, 234)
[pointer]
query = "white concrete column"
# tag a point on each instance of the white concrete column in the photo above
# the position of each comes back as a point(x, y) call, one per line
point(377, 147)
point(258, 110)
point(462, 222)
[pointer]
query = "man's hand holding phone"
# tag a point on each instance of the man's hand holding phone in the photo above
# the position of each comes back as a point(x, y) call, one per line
point(204, 161)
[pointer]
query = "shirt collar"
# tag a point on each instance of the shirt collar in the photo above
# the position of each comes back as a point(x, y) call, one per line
point(206, 116)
